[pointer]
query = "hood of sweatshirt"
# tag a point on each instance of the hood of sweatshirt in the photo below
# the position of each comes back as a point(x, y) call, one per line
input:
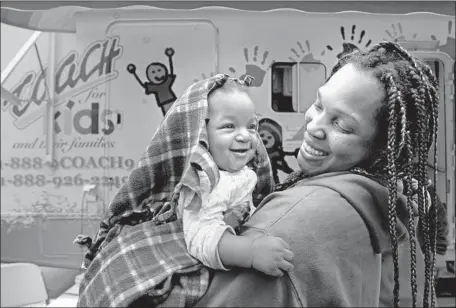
point(370, 199)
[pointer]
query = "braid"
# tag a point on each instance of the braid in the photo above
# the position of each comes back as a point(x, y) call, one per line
point(292, 179)
point(423, 146)
point(420, 136)
point(434, 96)
point(392, 97)
point(434, 197)
point(431, 93)
point(422, 183)
point(433, 214)
point(411, 223)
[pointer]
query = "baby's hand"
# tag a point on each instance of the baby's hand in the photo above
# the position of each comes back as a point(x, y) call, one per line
point(271, 255)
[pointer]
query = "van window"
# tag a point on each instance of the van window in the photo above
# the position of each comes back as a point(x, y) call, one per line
point(294, 85)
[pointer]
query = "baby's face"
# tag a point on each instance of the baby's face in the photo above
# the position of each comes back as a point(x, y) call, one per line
point(232, 129)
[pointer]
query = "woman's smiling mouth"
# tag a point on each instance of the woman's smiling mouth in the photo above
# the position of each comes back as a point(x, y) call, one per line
point(308, 149)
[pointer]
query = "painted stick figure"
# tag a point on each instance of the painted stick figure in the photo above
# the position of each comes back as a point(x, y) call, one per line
point(159, 82)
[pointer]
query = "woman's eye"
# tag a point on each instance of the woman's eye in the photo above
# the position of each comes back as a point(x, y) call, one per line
point(341, 128)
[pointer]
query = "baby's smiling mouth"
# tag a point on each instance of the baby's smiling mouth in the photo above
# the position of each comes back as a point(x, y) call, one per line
point(160, 78)
point(239, 151)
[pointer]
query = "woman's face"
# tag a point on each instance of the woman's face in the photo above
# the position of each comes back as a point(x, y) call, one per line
point(340, 125)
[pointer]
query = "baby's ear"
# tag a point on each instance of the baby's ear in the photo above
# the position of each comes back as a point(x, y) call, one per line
point(204, 144)
point(248, 80)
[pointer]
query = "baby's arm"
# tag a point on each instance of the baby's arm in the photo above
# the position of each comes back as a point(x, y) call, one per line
point(215, 244)
point(268, 254)
point(210, 240)
point(203, 230)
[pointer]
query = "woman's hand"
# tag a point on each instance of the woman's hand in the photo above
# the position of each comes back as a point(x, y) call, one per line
point(271, 255)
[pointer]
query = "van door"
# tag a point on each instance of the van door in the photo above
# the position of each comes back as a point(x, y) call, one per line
point(160, 59)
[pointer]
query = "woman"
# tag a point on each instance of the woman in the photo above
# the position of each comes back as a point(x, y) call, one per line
point(375, 115)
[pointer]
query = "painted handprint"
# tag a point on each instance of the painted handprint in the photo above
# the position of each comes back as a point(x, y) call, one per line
point(204, 76)
point(302, 55)
point(449, 47)
point(348, 47)
point(255, 69)
point(397, 35)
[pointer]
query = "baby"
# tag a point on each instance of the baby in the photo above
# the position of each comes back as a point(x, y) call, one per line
point(208, 231)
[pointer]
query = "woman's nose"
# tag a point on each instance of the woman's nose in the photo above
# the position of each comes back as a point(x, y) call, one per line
point(316, 128)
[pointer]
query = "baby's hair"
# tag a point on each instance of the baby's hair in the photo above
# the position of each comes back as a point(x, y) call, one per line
point(233, 84)
point(407, 127)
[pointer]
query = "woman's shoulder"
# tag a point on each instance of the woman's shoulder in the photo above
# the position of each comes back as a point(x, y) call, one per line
point(336, 186)
point(355, 188)
point(313, 200)
point(302, 202)
point(326, 206)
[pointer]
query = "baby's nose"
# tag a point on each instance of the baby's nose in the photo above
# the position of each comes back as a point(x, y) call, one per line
point(243, 135)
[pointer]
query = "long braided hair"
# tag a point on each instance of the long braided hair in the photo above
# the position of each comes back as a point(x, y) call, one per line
point(407, 127)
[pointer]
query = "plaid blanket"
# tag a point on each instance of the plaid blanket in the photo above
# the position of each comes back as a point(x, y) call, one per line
point(140, 247)
point(145, 259)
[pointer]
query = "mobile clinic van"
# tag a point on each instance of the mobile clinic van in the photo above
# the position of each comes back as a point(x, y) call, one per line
point(83, 97)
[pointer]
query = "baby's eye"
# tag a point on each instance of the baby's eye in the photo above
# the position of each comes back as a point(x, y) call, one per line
point(228, 126)
point(318, 106)
point(253, 127)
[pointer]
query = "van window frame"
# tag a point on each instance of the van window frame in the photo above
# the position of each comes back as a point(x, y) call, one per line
point(295, 89)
